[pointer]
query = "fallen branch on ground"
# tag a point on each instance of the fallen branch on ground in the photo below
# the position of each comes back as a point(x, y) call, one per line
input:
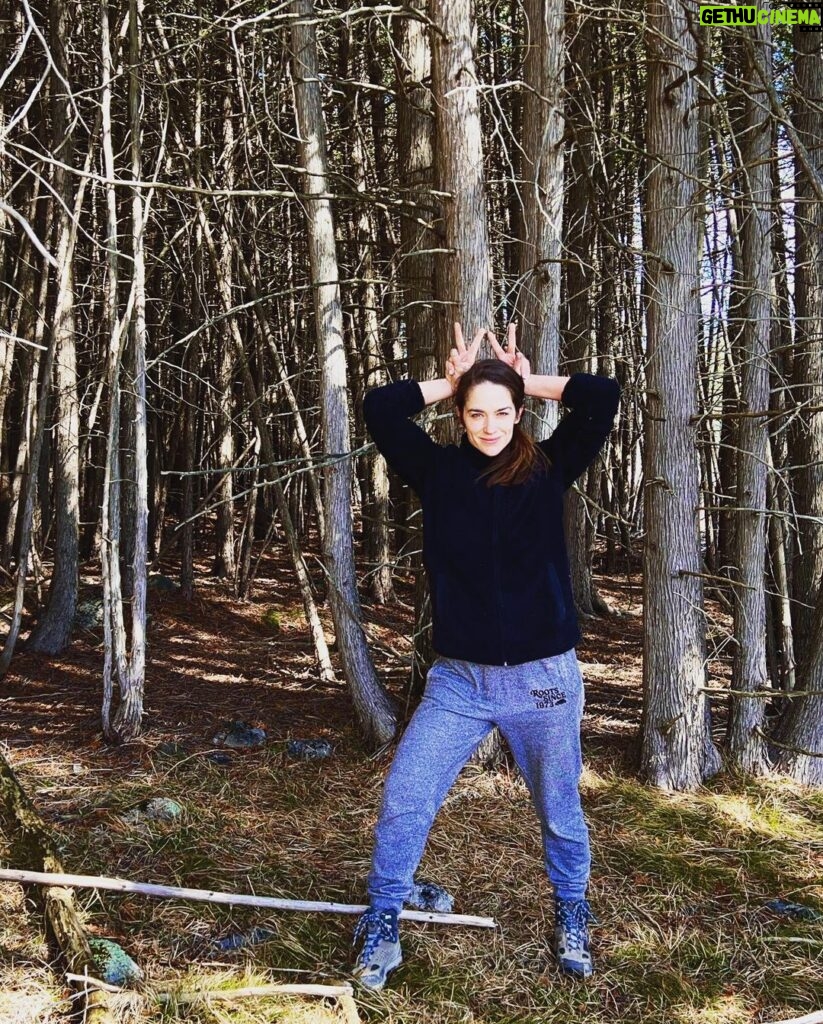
point(256, 991)
point(810, 1018)
point(236, 899)
point(343, 993)
point(32, 843)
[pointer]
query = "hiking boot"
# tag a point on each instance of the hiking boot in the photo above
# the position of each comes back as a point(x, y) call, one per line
point(571, 937)
point(381, 947)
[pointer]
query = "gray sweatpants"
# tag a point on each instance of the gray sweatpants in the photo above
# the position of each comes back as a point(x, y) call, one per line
point(538, 707)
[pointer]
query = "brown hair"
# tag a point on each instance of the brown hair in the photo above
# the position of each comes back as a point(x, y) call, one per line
point(521, 456)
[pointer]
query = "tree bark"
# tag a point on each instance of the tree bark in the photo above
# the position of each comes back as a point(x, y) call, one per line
point(677, 748)
point(129, 665)
point(807, 378)
point(426, 351)
point(375, 709)
point(542, 171)
point(580, 241)
point(463, 276)
point(224, 559)
point(799, 736)
point(746, 745)
point(34, 850)
point(53, 629)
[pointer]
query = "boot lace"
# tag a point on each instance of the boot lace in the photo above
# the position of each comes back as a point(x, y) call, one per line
point(376, 926)
point(573, 917)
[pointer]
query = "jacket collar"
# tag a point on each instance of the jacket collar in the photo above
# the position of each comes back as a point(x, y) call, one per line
point(474, 455)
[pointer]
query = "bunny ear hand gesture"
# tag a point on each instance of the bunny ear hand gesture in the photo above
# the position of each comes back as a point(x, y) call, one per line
point(462, 358)
point(511, 355)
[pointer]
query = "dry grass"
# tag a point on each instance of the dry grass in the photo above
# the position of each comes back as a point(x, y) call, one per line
point(680, 883)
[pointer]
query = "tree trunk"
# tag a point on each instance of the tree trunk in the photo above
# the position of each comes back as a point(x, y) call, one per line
point(799, 736)
point(375, 511)
point(426, 351)
point(33, 849)
point(677, 747)
point(53, 630)
point(375, 710)
point(808, 362)
point(126, 723)
point(224, 563)
point(463, 277)
point(542, 172)
point(580, 240)
point(746, 744)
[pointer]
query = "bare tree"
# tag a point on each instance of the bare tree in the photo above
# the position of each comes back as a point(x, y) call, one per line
point(799, 736)
point(463, 276)
point(53, 629)
point(375, 710)
point(126, 667)
point(745, 730)
point(542, 185)
point(677, 748)
point(807, 389)
point(800, 731)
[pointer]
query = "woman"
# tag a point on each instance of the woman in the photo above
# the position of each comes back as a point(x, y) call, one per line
point(503, 622)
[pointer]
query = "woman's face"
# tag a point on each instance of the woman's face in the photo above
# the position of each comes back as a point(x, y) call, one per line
point(489, 417)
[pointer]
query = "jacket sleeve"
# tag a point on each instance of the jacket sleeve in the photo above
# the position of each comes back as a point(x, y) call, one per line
point(407, 448)
point(580, 435)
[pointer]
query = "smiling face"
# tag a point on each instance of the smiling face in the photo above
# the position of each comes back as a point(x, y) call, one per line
point(489, 417)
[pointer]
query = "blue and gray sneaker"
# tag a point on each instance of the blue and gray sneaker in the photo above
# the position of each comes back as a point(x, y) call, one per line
point(381, 952)
point(571, 937)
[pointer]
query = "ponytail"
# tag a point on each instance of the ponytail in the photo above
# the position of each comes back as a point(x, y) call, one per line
point(521, 457)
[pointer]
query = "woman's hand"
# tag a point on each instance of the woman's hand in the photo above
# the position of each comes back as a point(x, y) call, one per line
point(460, 357)
point(511, 356)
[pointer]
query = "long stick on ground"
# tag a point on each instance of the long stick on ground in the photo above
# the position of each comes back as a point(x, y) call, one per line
point(810, 1018)
point(343, 993)
point(32, 843)
point(239, 899)
point(256, 991)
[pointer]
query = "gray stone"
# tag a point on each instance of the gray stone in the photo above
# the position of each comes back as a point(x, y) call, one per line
point(240, 735)
point(158, 808)
point(171, 748)
point(115, 965)
point(430, 896)
point(309, 750)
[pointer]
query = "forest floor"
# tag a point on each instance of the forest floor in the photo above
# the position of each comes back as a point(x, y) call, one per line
point(681, 884)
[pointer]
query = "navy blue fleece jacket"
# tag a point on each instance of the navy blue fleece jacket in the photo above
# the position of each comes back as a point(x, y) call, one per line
point(495, 556)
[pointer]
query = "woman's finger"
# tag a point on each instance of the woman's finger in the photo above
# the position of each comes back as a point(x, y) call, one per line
point(496, 348)
point(479, 335)
point(458, 338)
point(511, 337)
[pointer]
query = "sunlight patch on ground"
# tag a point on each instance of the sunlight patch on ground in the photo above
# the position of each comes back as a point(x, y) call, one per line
point(765, 816)
point(726, 1009)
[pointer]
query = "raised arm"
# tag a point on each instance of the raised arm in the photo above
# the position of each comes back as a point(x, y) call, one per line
point(593, 401)
point(580, 435)
point(407, 448)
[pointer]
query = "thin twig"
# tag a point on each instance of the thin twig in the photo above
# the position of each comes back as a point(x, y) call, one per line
point(787, 746)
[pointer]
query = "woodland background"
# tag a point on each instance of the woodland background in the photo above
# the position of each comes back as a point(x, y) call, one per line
point(223, 222)
point(220, 224)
